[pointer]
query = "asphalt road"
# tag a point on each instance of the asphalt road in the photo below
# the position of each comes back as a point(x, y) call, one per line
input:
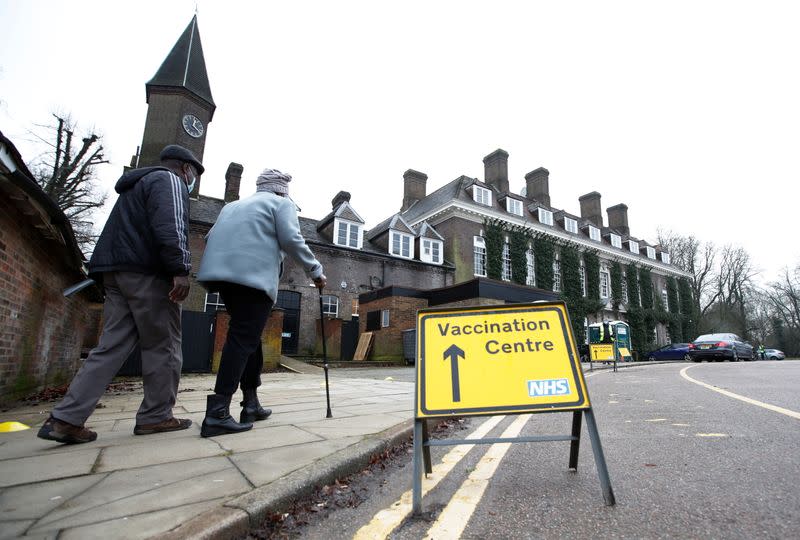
point(685, 461)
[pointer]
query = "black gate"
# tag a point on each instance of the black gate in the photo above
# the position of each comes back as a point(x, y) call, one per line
point(196, 345)
point(289, 301)
point(349, 338)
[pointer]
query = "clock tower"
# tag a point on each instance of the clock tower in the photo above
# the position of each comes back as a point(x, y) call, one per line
point(179, 101)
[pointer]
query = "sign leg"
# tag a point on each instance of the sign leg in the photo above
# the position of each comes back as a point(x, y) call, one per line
point(426, 450)
point(575, 445)
point(416, 499)
point(599, 458)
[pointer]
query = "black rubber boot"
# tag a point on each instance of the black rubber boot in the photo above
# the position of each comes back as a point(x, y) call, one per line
point(218, 420)
point(252, 410)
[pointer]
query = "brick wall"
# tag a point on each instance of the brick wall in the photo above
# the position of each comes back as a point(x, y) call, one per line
point(270, 339)
point(41, 332)
point(387, 343)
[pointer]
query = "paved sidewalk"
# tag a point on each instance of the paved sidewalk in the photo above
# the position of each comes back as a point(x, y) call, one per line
point(180, 485)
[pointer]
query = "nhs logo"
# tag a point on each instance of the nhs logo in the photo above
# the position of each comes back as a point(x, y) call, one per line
point(548, 387)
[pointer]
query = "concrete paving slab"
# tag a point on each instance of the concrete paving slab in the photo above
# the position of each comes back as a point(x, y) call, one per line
point(157, 449)
point(265, 437)
point(13, 529)
point(31, 502)
point(358, 426)
point(37, 469)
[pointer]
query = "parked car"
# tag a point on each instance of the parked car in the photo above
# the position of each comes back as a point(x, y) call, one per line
point(670, 351)
point(719, 347)
point(774, 354)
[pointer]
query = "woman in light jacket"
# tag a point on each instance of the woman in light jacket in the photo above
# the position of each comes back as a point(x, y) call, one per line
point(243, 261)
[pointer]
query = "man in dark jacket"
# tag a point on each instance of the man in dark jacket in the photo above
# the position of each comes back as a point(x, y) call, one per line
point(142, 258)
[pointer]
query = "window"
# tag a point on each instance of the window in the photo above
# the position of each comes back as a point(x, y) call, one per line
point(571, 225)
point(431, 251)
point(354, 307)
point(556, 276)
point(479, 256)
point(624, 289)
point(633, 246)
point(651, 252)
point(506, 275)
point(605, 284)
point(616, 241)
point(545, 216)
point(373, 321)
point(514, 206)
point(531, 279)
point(665, 299)
point(330, 305)
point(384, 318)
point(594, 233)
point(400, 245)
point(665, 257)
point(583, 279)
point(348, 234)
point(482, 195)
point(214, 303)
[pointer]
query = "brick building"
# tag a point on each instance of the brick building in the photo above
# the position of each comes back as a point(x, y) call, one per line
point(42, 333)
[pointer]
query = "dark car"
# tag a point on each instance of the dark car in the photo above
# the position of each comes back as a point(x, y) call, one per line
point(719, 347)
point(670, 351)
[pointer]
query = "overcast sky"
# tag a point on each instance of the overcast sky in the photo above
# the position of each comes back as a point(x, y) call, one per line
point(688, 112)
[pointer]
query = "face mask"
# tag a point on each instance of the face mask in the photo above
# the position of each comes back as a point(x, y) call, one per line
point(192, 183)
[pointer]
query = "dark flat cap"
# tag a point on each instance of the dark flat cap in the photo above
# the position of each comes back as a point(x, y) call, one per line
point(174, 151)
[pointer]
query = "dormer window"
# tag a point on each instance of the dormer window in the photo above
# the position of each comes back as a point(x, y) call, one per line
point(633, 246)
point(651, 252)
point(616, 240)
point(545, 217)
point(400, 244)
point(348, 234)
point(571, 225)
point(482, 195)
point(431, 251)
point(514, 206)
point(665, 257)
point(594, 233)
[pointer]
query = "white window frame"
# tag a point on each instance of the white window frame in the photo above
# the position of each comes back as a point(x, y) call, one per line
point(665, 257)
point(330, 305)
point(513, 206)
point(214, 299)
point(354, 307)
point(348, 227)
point(651, 252)
point(545, 217)
point(556, 275)
point(582, 271)
point(405, 245)
point(633, 246)
point(571, 225)
point(594, 233)
point(665, 299)
point(384, 318)
point(431, 251)
point(506, 272)
point(481, 195)
point(616, 240)
point(531, 262)
point(605, 284)
point(479, 256)
point(625, 298)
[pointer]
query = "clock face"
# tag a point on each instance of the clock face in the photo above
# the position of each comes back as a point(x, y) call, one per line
point(193, 126)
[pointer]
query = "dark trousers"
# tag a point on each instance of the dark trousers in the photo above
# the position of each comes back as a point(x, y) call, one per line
point(242, 358)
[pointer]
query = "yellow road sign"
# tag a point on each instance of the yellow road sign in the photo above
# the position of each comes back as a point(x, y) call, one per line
point(497, 360)
point(602, 352)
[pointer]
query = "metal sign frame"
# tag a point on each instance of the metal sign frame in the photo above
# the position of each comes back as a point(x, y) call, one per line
point(422, 443)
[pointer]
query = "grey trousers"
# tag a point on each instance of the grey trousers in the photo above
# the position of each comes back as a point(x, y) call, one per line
point(137, 309)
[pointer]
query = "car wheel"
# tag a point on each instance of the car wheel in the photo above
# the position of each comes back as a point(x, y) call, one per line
point(735, 357)
point(687, 358)
point(651, 358)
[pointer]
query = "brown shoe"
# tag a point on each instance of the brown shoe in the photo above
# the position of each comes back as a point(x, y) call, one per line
point(173, 424)
point(56, 430)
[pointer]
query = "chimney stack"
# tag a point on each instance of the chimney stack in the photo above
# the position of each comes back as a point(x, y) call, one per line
point(618, 218)
point(591, 209)
point(341, 197)
point(413, 188)
point(233, 179)
point(495, 170)
point(537, 185)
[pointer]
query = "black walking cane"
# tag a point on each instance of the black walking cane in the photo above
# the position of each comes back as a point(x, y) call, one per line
point(324, 355)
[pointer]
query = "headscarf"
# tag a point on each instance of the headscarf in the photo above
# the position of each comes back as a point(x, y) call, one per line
point(274, 181)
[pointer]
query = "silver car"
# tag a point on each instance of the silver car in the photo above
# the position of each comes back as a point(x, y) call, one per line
point(774, 354)
point(719, 347)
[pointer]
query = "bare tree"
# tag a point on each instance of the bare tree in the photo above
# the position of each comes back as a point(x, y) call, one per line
point(67, 174)
point(784, 299)
point(690, 255)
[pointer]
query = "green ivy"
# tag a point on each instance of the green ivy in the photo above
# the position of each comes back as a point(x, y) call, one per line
point(518, 240)
point(675, 326)
point(592, 264)
point(616, 286)
point(632, 279)
point(687, 310)
point(494, 239)
point(544, 254)
point(646, 288)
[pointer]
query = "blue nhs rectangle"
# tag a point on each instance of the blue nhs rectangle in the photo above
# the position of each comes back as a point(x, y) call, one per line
point(548, 387)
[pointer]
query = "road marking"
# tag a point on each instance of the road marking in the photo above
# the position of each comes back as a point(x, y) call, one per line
point(711, 435)
point(656, 420)
point(773, 408)
point(385, 521)
point(453, 519)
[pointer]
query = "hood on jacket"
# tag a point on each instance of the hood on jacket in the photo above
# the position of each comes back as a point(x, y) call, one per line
point(129, 179)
